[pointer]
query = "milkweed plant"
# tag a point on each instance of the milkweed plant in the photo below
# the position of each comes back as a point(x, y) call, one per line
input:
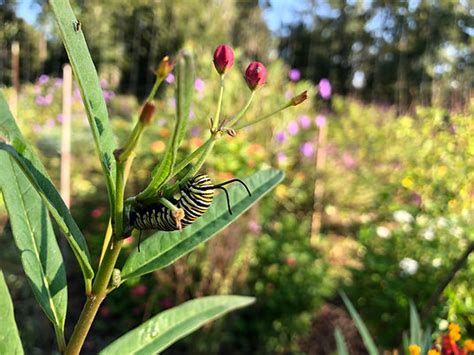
point(178, 204)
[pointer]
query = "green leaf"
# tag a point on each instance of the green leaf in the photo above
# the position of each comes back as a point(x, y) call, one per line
point(86, 76)
point(366, 338)
point(34, 237)
point(163, 248)
point(416, 332)
point(340, 342)
point(185, 89)
point(34, 170)
point(158, 333)
point(10, 342)
point(184, 92)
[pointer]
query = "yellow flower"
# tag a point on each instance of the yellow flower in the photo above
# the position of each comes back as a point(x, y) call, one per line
point(407, 182)
point(414, 349)
point(469, 345)
point(433, 352)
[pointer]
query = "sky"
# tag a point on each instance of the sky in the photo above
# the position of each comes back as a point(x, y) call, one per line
point(281, 13)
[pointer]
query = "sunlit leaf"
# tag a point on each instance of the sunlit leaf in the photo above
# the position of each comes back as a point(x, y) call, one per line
point(161, 331)
point(86, 76)
point(163, 248)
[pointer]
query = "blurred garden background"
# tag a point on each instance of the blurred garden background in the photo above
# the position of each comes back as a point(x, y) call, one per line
point(379, 188)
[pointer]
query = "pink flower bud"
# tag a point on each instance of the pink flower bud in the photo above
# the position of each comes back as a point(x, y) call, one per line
point(223, 58)
point(255, 75)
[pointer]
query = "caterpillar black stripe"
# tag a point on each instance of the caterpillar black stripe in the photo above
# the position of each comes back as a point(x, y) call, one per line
point(196, 197)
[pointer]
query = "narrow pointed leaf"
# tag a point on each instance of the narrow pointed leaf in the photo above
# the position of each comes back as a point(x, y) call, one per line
point(340, 342)
point(161, 331)
point(185, 90)
point(10, 342)
point(92, 96)
point(34, 237)
point(34, 170)
point(415, 326)
point(359, 323)
point(185, 79)
point(163, 248)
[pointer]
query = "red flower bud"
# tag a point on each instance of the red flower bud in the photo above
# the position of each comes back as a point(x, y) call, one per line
point(223, 58)
point(255, 75)
point(299, 98)
point(165, 67)
point(146, 115)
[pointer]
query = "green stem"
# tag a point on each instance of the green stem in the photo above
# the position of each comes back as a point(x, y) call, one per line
point(158, 81)
point(215, 123)
point(183, 163)
point(132, 141)
point(263, 117)
point(202, 158)
point(237, 118)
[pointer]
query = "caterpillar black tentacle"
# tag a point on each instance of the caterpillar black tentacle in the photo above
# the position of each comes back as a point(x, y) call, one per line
point(195, 198)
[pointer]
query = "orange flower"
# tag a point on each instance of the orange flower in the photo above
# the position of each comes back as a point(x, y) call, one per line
point(433, 352)
point(469, 345)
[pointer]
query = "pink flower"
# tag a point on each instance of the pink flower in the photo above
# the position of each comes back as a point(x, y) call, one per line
point(138, 291)
point(199, 85)
point(307, 149)
point(170, 78)
point(254, 227)
point(325, 89)
point(294, 74)
point(223, 58)
point(293, 128)
point(167, 303)
point(255, 75)
point(305, 121)
point(104, 84)
point(348, 161)
point(320, 120)
point(281, 158)
point(97, 212)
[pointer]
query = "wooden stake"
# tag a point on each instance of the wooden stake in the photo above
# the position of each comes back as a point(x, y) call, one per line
point(320, 164)
point(66, 136)
point(15, 78)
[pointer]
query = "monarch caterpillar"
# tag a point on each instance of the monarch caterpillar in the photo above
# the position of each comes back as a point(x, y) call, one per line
point(195, 198)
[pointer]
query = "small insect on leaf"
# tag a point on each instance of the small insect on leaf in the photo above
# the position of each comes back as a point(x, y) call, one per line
point(77, 26)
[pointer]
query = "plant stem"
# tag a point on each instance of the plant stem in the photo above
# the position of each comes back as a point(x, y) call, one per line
point(215, 123)
point(237, 117)
point(182, 164)
point(264, 117)
point(101, 282)
point(445, 282)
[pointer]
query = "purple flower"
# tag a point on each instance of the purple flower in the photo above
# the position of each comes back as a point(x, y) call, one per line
point(305, 121)
point(43, 79)
point(199, 85)
point(60, 118)
point(170, 78)
point(307, 149)
point(50, 123)
point(195, 131)
point(280, 137)
point(39, 100)
point(58, 82)
point(37, 128)
point(191, 114)
point(281, 158)
point(293, 128)
point(320, 120)
point(325, 89)
point(108, 95)
point(289, 94)
point(76, 94)
point(37, 89)
point(294, 74)
point(104, 84)
point(172, 102)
